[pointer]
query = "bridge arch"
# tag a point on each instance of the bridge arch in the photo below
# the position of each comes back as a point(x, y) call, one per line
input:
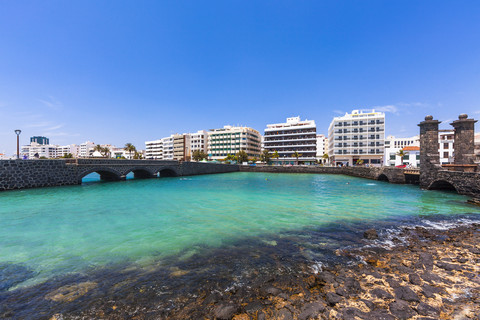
point(383, 177)
point(140, 172)
point(106, 174)
point(167, 172)
point(442, 185)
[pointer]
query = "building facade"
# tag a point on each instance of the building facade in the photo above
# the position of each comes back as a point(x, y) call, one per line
point(322, 148)
point(357, 138)
point(446, 139)
point(393, 145)
point(154, 149)
point(290, 138)
point(40, 140)
point(199, 141)
point(231, 140)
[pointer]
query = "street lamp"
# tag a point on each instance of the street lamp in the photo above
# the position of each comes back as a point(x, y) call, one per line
point(18, 131)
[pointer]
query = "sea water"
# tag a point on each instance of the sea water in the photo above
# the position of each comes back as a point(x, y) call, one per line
point(63, 230)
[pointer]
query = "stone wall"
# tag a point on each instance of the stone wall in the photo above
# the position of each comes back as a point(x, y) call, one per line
point(393, 175)
point(21, 174)
point(196, 168)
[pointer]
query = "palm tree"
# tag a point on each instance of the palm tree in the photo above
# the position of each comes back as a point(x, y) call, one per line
point(98, 148)
point(230, 157)
point(241, 156)
point(296, 155)
point(325, 158)
point(265, 156)
point(106, 152)
point(401, 153)
point(130, 148)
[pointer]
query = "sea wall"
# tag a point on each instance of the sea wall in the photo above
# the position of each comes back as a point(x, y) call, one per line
point(196, 168)
point(393, 175)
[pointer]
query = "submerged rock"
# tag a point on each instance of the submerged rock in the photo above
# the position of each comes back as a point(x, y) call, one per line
point(71, 292)
point(370, 234)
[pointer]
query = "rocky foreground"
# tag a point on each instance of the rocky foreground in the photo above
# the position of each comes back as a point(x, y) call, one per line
point(423, 274)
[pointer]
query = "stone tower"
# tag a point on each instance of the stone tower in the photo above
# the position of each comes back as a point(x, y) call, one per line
point(464, 144)
point(429, 156)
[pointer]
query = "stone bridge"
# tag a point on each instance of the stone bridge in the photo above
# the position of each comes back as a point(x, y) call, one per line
point(20, 174)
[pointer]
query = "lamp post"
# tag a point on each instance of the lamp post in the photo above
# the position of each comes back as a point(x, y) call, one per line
point(18, 131)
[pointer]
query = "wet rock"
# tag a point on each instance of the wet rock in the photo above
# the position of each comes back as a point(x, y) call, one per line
point(426, 259)
point(351, 313)
point(71, 292)
point(379, 315)
point(370, 234)
point(430, 291)
point(370, 305)
point(212, 298)
point(225, 311)
point(393, 283)
point(326, 277)
point(380, 293)
point(407, 294)
point(427, 310)
point(430, 277)
point(284, 314)
point(401, 310)
point(253, 307)
point(12, 274)
point(341, 291)
point(352, 285)
point(414, 278)
point(333, 298)
point(449, 266)
point(270, 291)
point(311, 310)
point(261, 316)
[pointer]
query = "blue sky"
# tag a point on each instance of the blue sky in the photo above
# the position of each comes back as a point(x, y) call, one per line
point(130, 71)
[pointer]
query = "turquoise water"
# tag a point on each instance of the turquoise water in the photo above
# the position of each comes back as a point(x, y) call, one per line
point(55, 231)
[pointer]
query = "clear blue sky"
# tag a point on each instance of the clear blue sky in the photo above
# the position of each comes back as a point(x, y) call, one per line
point(130, 71)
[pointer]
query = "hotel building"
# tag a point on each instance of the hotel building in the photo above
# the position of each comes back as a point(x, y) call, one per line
point(199, 141)
point(231, 140)
point(446, 140)
point(290, 137)
point(357, 136)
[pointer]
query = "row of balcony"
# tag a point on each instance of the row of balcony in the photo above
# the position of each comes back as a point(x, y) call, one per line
point(359, 123)
point(355, 152)
point(356, 145)
point(340, 131)
point(372, 137)
point(311, 132)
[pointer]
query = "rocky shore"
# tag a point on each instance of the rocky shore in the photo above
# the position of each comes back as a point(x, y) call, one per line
point(417, 274)
point(413, 273)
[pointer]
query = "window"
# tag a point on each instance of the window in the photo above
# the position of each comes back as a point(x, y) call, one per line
point(445, 146)
point(445, 154)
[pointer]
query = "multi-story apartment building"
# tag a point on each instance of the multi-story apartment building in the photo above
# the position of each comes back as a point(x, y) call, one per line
point(154, 149)
point(445, 146)
point(322, 147)
point(357, 137)
point(292, 136)
point(199, 141)
point(72, 149)
point(86, 149)
point(181, 147)
point(230, 140)
point(168, 148)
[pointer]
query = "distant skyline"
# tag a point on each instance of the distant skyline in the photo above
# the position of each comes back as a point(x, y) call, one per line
point(132, 71)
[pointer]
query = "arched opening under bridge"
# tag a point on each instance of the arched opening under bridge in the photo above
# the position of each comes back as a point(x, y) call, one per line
point(383, 177)
point(167, 172)
point(442, 185)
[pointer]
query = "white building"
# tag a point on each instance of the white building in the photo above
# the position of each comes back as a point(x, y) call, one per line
point(446, 139)
point(86, 149)
point(168, 143)
point(357, 137)
point(199, 141)
point(231, 140)
point(154, 149)
point(410, 145)
point(35, 150)
point(322, 148)
point(292, 136)
point(72, 149)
